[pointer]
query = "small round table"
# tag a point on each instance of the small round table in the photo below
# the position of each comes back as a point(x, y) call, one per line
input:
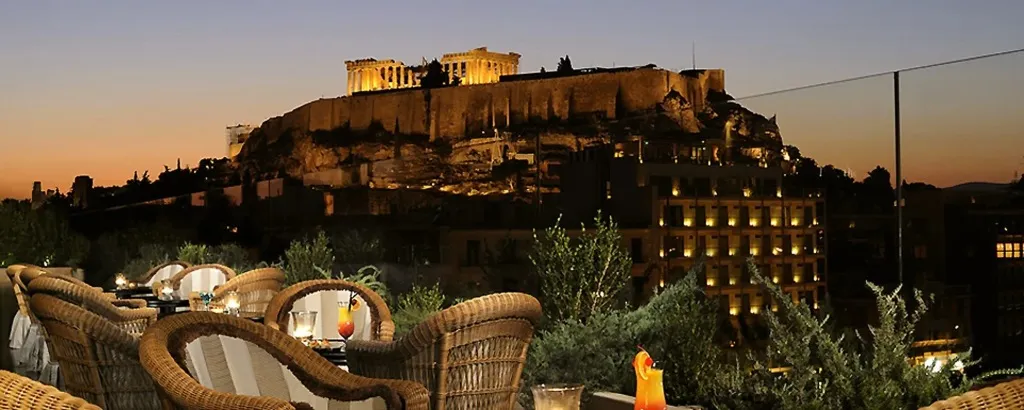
point(167, 307)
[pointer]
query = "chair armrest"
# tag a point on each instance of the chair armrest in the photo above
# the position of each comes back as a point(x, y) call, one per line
point(129, 303)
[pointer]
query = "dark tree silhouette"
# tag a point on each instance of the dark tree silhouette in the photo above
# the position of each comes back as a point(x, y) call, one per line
point(435, 77)
point(565, 65)
point(456, 80)
point(543, 70)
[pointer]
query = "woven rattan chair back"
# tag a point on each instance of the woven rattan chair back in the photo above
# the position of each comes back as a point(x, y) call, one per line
point(277, 315)
point(99, 361)
point(470, 356)
point(255, 289)
point(282, 372)
point(20, 392)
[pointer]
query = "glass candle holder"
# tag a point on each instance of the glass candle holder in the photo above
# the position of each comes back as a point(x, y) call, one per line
point(557, 396)
point(120, 281)
point(302, 325)
point(166, 290)
point(232, 303)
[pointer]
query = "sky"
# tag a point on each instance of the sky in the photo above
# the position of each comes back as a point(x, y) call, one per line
point(107, 88)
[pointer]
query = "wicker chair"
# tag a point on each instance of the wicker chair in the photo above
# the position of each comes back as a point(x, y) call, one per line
point(24, 393)
point(162, 271)
point(200, 278)
point(1003, 396)
point(99, 361)
point(303, 374)
point(255, 289)
point(380, 325)
point(133, 320)
point(470, 356)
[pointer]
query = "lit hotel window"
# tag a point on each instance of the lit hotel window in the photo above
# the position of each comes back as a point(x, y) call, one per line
point(1009, 250)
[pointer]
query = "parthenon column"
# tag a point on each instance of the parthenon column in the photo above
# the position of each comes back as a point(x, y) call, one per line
point(348, 83)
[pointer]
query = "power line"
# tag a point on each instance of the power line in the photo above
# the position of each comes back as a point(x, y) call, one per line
point(886, 73)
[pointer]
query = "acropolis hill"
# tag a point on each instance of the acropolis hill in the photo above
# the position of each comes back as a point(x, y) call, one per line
point(561, 111)
point(457, 112)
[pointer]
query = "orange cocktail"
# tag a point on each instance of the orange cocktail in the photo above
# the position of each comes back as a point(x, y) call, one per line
point(650, 392)
point(346, 325)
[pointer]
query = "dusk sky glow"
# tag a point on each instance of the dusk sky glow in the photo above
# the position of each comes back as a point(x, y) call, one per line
point(108, 88)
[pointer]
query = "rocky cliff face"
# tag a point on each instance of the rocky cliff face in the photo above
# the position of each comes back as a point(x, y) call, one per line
point(442, 138)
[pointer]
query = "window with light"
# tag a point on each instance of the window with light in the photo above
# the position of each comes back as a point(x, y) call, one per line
point(1009, 250)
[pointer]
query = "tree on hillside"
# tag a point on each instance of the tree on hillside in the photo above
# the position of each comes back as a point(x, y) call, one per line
point(40, 237)
point(565, 65)
point(435, 77)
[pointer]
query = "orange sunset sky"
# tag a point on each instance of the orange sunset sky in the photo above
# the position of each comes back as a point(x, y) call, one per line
point(108, 88)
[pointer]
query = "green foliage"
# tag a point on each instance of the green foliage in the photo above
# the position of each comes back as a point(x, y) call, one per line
point(308, 258)
point(40, 237)
point(149, 256)
point(369, 276)
point(358, 246)
point(828, 370)
point(233, 256)
point(581, 276)
point(195, 254)
point(416, 306)
point(678, 327)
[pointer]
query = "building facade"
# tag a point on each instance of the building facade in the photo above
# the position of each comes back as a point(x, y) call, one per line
point(236, 137)
point(476, 66)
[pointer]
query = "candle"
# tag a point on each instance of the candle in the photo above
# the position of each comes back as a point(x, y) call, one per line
point(120, 281)
point(303, 323)
point(232, 303)
point(557, 396)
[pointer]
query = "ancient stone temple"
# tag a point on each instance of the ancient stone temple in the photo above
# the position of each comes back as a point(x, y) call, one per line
point(476, 66)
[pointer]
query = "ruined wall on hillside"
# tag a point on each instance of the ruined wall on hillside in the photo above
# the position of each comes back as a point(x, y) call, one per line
point(468, 111)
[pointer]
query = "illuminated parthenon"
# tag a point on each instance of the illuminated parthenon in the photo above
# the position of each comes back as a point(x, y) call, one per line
point(476, 66)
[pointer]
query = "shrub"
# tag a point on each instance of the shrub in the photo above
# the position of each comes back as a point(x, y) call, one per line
point(308, 258)
point(582, 276)
point(38, 236)
point(369, 276)
point(416, 306)
point(150, 255)
point(232, 256)
point(194, 254)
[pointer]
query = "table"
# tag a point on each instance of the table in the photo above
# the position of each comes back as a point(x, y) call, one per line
point(336, 356)
point(141, 292)
point(167, 307)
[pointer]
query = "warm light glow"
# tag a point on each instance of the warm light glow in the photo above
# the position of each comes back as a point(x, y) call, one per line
point(710, 252)
point(755, 222)
point(120, 281)
point(675, 191)
point(1009, 250)
point(794, 222)
point(816, 277)
point(732, 221)
point(732, 281)
point(814, 221)
point(815, 305)
point(776, 251)
point(732, 251)
point(661, 283)
point(687, 221)
point(687, 253)
point(778, 192)
point(711, 281)
point(775, 221)
point(755, 310)
point(746, 192)
point(796, 278)
point(661, 253)
point(775, 279)
point(815, 249)
point(796, 250)
point(734, 311)
point(661, 221)
point(709, 221)
point(755, 251)
point(714, 192)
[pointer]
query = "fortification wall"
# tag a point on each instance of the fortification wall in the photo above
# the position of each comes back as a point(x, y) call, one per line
point(468, 111)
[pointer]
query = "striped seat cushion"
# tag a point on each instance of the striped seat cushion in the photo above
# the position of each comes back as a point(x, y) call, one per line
point(231, 365)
